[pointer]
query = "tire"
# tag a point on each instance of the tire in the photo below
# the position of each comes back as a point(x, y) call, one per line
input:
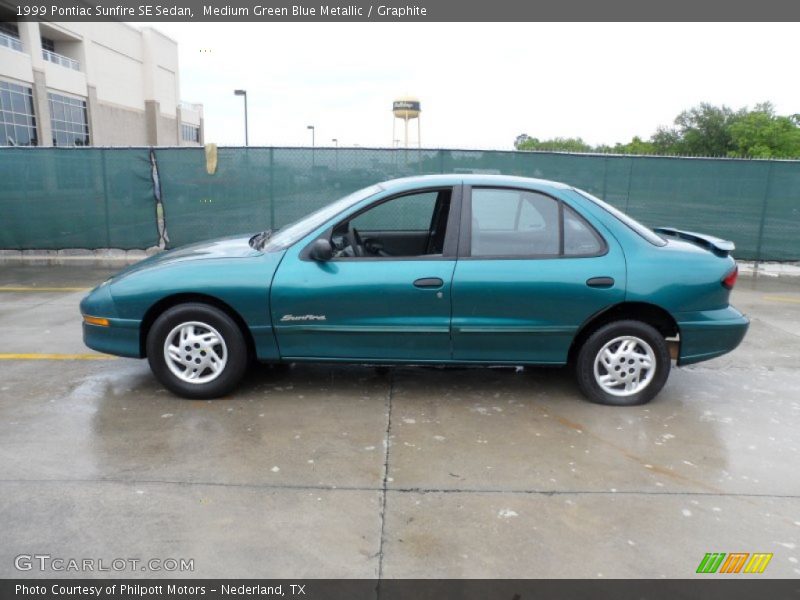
point(612, 364)
point(200, 369)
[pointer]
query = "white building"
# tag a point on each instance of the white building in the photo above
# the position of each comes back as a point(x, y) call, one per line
point(98, 84)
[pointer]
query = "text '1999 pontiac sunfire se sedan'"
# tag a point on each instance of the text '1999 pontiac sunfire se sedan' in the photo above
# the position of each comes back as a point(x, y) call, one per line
point(443, 269)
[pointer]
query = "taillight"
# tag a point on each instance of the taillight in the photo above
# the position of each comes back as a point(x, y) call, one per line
point(730, 278)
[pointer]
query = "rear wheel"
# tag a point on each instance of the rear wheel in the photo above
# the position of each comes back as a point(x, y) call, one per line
point(623, 363)
point(197, 351)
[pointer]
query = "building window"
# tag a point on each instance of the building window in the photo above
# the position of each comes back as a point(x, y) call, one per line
point(48, 44)
point(9, 28)
point(190, 133)
point(9, 36)
point(17, 117)
point(69, 121)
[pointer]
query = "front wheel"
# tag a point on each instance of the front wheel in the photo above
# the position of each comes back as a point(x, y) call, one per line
point(623, 363)
point(196, 351)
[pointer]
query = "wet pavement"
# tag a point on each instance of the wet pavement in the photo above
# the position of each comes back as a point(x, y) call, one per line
point(409, 472)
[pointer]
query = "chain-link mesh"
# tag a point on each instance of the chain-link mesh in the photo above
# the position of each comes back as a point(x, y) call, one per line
point(76, 198)
point(94, 197)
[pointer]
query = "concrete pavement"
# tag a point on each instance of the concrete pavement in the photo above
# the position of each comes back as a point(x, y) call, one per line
point(410, 472)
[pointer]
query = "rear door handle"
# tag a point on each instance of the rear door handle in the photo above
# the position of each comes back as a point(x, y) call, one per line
point(429, 282)
point(600, 282)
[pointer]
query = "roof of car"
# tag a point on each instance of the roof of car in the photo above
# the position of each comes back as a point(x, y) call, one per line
point(472, 179)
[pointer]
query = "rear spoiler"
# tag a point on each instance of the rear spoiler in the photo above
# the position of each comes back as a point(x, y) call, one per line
point(715, 244)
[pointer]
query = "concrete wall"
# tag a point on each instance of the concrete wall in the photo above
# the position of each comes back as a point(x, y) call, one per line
point(107, 66)
point(16, 66)
point(114, 125)
point(60, 79)
point(42, 107)
point(168, 131)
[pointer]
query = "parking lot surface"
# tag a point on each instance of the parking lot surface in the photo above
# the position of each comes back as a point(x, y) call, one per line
point(354, 471)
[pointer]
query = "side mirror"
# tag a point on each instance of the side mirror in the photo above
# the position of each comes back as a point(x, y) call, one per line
point(321, 250)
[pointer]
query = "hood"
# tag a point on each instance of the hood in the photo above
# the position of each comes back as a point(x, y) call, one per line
point(227, 247)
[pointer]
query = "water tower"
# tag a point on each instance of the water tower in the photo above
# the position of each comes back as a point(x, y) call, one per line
point(406, 109)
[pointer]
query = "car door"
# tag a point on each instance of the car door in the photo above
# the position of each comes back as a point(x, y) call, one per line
point(391, 304)
point(530, 271)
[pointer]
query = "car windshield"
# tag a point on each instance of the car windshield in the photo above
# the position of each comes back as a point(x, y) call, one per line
point(289, 234)
point(643, 231)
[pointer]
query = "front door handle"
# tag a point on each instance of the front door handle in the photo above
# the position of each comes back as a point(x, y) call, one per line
point(600, 282)
point(429, 282)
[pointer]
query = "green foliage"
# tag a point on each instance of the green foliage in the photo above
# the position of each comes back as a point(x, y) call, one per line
point(636, 146)
point(524, 142)
point(763, 134)
point(703, 130)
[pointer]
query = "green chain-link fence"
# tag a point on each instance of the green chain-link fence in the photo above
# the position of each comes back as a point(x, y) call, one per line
point(77, 198)
point(108, 197)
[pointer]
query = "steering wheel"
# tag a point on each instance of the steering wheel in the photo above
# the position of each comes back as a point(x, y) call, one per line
point(355, 241)
point(375, 247)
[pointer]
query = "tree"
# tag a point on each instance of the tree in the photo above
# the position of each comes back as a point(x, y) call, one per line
point(636, 146)
point(666, 141)
point(761, 133)
point(703, 130)
point(558, 144)
point(522, 138)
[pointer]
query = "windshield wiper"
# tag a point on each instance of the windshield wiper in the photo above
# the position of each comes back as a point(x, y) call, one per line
point(260, 239)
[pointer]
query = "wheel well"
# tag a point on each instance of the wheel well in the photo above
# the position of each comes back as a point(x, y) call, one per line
point(165, 303)
point(651, 314)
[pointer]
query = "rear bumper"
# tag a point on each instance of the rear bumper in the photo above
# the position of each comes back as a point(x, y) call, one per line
point(710, 333)
point(120, 338)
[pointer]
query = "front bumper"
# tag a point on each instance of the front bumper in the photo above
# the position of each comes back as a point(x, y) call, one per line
point(120, 336)
point(710, 333)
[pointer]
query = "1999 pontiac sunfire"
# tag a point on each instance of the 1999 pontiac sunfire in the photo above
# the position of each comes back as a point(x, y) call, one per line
point(450, 269)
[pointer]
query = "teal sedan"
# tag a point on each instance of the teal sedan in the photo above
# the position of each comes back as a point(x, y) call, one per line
point(443, 269)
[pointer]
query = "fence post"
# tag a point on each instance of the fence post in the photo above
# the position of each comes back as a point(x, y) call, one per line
point(605, 177)
point(767, 189)
point(441, 161)
point(630, 180)
point(105, 195)
point(272, 188)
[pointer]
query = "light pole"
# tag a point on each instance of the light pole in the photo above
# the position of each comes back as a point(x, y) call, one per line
point(336, 152)
point(311, 127)
point(244, 93)
point(313, 144)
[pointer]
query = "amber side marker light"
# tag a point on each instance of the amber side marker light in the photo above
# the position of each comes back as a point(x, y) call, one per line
point(96, 321)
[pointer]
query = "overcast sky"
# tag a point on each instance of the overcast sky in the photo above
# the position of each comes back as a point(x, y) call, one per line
point(480, 84)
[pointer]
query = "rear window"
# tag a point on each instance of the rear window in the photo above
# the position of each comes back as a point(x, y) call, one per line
point(643, 231)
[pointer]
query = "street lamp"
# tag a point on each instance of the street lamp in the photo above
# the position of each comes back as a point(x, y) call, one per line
point(244, 93)
point(313, 131)
point(313, 144)
point(336, 152)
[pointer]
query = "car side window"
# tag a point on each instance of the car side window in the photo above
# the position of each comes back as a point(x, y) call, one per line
point(514, 223)
point(579, 237)
point(406, 213)
point(403, 227)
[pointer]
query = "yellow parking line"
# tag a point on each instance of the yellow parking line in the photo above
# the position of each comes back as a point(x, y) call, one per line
point(783, 299)
point(42, 289)
point(44, 356)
